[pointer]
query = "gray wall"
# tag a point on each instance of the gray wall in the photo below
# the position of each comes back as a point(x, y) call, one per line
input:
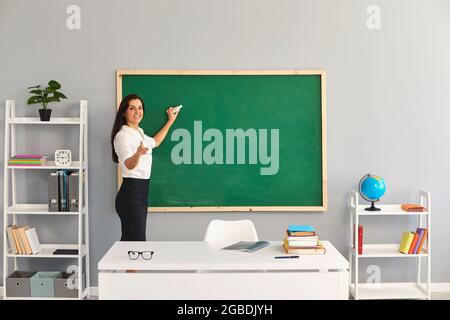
point(388, 99)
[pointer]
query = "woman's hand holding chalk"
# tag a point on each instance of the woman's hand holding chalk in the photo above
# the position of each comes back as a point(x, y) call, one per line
point(177, 108)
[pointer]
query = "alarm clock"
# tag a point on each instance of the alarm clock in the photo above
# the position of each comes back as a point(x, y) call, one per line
point(63, 157)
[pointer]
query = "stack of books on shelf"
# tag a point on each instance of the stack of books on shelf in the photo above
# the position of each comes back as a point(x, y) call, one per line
point(63, 191)
point(23, 240)
point(302, 240)
point(412, 242)
point(28, 160)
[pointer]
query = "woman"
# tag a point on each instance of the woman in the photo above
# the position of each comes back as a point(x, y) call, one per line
point(132, 149)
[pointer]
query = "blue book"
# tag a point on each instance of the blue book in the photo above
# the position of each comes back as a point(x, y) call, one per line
point(295, 228)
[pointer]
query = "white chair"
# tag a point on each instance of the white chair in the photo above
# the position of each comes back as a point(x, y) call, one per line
point(237, 230)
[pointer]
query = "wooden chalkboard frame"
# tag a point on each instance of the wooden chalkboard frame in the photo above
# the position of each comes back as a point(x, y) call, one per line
point(324, 207)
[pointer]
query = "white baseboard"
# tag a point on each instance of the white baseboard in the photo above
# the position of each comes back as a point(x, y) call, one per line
point(440, 287)
point(94, 291)
point(435, 288)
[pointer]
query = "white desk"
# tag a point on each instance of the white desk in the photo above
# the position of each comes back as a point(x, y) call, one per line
point(183, 270)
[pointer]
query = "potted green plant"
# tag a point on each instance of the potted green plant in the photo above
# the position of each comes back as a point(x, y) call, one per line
point(45, 96)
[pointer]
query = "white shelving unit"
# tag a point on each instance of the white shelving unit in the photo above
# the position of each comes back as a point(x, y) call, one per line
point(403, 290)
point(13, 210)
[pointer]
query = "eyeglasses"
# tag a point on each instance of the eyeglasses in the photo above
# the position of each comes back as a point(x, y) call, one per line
point(146, 255)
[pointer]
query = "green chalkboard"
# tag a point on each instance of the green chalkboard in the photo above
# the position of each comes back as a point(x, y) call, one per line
point(243, 141)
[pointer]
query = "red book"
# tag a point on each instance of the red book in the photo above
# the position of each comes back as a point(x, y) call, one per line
point(413, 243)
point(360, 239)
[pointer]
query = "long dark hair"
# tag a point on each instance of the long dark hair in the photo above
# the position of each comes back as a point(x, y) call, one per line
point(120, 120)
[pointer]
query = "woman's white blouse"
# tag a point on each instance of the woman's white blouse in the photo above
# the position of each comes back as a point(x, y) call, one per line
point(126, 143)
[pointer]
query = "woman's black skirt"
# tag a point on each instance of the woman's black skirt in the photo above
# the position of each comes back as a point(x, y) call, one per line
point(131, 206)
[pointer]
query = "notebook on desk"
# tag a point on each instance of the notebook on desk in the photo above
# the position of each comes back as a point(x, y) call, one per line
point(247, 246)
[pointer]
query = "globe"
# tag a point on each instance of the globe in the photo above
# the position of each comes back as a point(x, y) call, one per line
point(372, 188)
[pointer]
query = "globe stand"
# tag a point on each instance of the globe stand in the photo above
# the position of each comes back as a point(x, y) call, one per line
point(372, 207)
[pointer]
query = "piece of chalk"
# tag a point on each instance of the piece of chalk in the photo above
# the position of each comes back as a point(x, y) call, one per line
point(177, 108)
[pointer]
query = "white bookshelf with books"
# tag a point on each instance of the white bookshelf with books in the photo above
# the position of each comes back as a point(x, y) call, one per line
point(420, 288)
point(21, 239)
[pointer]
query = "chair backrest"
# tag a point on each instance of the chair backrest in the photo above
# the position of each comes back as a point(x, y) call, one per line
point(237, 230)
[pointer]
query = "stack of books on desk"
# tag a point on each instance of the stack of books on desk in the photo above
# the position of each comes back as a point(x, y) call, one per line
point(302, 240)
point(28, 160)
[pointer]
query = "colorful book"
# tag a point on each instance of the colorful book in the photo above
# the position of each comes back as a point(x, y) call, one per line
point(406, 242)
point(300, 234)
point(23, 237)
point(411, 207)
point(413, 243)
point(300, 231)
point(297, 228)
point(422, 240)
point(319, 249)
point(28, 160)
point(360, 239)
point(12, 242)
point(419, 231)
point(28, 156)
point(302, 243)
point(19, 245)
point(15, 236)
point(24, 162)
point(294, 238)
